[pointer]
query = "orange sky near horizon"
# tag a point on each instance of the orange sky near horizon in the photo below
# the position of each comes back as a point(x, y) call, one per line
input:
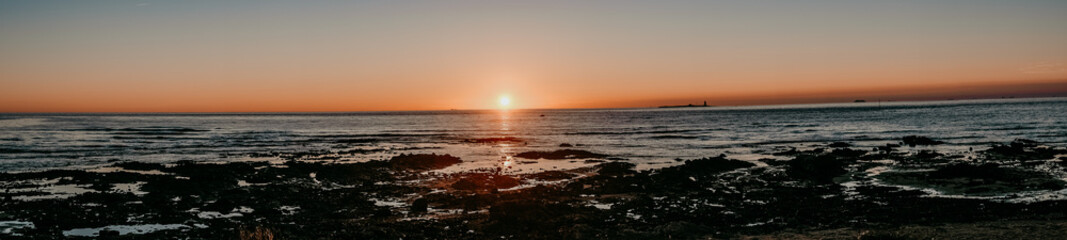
point(268, 56)
point(248, 102)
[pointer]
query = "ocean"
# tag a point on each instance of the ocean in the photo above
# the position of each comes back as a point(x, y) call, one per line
point(650, 138)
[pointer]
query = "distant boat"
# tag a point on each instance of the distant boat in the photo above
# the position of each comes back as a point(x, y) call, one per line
point(860, 100)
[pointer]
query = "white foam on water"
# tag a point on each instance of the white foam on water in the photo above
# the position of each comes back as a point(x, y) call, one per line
point(395, 203)
point(134, 188)
point(8, 227)
point(21, 122)
point(122, 229)
point(54, 192)
point(215, 215)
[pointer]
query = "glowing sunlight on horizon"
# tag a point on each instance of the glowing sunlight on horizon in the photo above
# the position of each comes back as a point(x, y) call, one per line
point(504, 102)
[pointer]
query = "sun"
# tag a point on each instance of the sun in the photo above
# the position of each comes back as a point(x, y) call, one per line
point(504, 101)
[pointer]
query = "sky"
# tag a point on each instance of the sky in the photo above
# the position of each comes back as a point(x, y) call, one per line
point(270, 56)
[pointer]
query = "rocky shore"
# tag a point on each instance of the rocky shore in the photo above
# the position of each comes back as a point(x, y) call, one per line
point(895, 191)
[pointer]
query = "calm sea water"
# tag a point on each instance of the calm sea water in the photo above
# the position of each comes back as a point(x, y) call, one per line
point(651, 138)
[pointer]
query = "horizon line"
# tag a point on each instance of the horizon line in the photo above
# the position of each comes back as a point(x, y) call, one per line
point(579, 108)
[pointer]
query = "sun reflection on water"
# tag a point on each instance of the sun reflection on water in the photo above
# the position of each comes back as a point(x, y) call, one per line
point(508, 161)
point(506, 151)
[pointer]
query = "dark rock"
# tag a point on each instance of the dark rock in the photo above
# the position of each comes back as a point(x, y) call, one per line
point(691, 175)
point(1022, 150)
point(990, 171)
point(616, 168)
point(792, 151)
point(551, 175)
point(818, 168)
point(423, 162)
point(683, 230)
point(156, 131)
point(531, 217)
point(888, 148)
point(565, 145)
point(141, 166)
point(839, 145)
point(714, 165)
point(772, 161)
point(419, 205)
point(485, 182)
point(987, 179)
point(108, 233)
point(919, 140)
point(356, 140)
point(348, 173)
point(847, 153)
point(928, 154)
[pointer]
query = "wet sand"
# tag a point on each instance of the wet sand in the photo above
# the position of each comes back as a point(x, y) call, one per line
point(897, 191)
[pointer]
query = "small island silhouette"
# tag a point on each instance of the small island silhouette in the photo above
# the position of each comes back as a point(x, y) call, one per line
point(686, 106)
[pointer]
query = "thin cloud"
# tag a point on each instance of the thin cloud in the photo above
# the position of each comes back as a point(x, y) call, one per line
point(1044, 68)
